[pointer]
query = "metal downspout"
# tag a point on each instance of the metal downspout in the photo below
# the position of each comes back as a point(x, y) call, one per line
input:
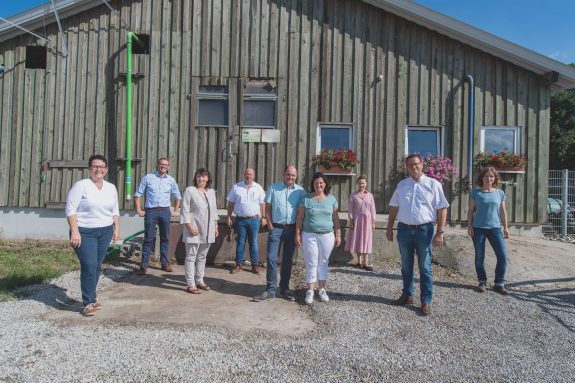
point(470, 121)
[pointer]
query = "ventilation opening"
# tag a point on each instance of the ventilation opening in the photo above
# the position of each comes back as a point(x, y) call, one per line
point(36, 57)
point(144, 48)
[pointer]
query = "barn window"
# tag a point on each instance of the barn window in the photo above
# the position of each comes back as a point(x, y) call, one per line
point(501, 139)
point(334, 136)
point(35, 57)
point(213, 106)
point(144, 47)
point(425, 140)
point(259, 104)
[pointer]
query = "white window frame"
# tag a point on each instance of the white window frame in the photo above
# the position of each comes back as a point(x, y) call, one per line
point(337, 125)
point(437, 128)
point(516, 136)
point(212, 96)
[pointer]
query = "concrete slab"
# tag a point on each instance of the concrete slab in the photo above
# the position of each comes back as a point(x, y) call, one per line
point(160, 298)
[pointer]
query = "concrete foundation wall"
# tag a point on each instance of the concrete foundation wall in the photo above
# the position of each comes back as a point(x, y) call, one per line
point(36, 223)
point(16, 223)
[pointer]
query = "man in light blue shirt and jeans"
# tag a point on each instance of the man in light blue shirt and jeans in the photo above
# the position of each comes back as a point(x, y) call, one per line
point(281, 211)
point(158, 188)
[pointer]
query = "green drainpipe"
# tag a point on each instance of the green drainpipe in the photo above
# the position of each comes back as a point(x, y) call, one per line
point(131, 36)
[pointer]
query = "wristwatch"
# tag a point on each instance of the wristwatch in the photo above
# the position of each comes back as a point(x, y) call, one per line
point(440, 232)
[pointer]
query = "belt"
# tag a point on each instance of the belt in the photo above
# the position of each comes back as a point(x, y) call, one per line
point(251, 217)
point(284, 225)
point(323, 232)
point(415, 226)
point(158, 208)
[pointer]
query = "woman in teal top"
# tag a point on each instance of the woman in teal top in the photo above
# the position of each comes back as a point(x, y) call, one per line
point(317, 231)
point(486, 215)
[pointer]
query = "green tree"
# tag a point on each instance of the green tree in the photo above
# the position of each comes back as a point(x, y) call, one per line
point(562, 140)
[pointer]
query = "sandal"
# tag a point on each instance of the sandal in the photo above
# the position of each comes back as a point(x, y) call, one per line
point(357, 265)
point(193, 290)
point(204, 287)
point(366, 267)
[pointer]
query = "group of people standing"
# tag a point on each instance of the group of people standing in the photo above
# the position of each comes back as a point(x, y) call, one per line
point(293, 217)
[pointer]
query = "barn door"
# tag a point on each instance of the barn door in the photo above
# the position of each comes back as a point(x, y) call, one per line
point(234, 127)
point(259, 135)
point(214, 133)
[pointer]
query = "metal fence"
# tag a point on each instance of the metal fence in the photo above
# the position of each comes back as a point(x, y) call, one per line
point(561, 203)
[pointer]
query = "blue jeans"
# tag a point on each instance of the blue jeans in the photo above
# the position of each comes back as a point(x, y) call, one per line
point(247, 227)
point(152, 218)
point(91, 253)
point(277, 237)
point(495, 237)
point(416, 240)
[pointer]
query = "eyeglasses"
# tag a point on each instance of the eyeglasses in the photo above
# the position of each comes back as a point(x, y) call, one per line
point(413, 164)
point(164, 165)
point(97, 167)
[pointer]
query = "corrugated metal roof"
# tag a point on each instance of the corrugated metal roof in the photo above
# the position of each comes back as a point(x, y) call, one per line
point(562, 75)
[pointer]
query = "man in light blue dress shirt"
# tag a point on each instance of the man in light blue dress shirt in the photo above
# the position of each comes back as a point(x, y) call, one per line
point(281, 211)
point(158, 187)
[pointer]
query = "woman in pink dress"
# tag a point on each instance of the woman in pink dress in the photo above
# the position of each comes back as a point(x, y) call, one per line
point(361, 213)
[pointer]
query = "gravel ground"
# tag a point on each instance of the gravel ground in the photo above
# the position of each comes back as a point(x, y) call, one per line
point(558, 237)
point(526, 337)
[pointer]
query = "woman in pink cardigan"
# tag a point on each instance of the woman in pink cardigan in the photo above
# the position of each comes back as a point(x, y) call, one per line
point(361, 213)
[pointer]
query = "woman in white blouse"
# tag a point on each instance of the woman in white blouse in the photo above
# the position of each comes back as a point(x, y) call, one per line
point(199, 216)
point(94, 219)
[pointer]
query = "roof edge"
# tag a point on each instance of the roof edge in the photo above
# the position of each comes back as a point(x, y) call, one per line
point(480, 39)
point(41, 15)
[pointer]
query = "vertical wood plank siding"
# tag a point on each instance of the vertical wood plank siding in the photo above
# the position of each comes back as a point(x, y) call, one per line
point(332, 60)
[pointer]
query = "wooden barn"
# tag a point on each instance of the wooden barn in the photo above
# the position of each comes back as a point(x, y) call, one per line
point(263, 83)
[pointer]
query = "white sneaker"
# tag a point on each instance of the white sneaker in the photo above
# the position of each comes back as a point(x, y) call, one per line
point(309, 297)
point(323, 295)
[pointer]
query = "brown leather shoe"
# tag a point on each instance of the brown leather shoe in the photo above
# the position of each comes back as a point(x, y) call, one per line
point(256, 269)
point(167, 268)
point(236, 269)
point(403, 300)
point(480, 288)
point(204, 287)
point(142, 271)
point(425, 309)
point(89, 310)
point(501, 290)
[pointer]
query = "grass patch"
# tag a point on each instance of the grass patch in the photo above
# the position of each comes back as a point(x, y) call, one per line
point(30, 262)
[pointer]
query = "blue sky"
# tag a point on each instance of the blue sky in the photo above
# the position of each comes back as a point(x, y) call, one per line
point(547, 27)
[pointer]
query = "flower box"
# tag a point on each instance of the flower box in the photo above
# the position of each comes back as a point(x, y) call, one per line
point(518, 169)
point(501, 161)
point(335, 170)
point(336, 161)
